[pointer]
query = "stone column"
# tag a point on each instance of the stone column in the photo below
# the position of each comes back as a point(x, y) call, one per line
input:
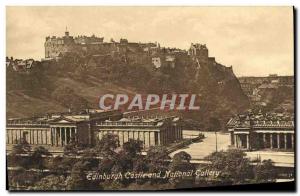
point(41, 139)
point(130, 135)
point(21, 136)
point(136, 135)
point(147, 139)
point(36, 136)
point(54, 136)
point(71, 133)
point(143, 139)
point(51, 136)
point(125, 136)
point(75, 134)
point(65, 129)
point(60, 136)
point(100, 134)
point(152, 138)
point(235, 140)
point(278, 140)
point(285, 141)
point(158, 138)
point(271, 140)
point(45, 136)
point(264, 140)
point(29, 136)
point(292, 140)
point(248, 142)
point(7, 137)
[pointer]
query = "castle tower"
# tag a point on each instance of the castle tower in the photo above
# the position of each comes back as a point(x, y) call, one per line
point(67, 32)
point(199, 51)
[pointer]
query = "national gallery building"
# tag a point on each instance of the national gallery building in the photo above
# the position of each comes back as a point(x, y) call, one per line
point(262, 131)
point(57, 130)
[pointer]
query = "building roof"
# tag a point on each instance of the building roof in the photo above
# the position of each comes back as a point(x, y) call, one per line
point(269, 120)
point(268, 86)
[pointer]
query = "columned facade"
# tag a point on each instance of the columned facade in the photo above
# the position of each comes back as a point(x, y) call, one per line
point(57, 131)
point(274, 131)
point(161, 132)
point(63, 135)
point(33, 135)
point(264, 140)
point(147, 136)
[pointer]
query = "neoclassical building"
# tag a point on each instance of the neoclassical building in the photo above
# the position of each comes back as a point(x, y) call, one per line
point(57, 130)
point(262, 131)
point(151, 131)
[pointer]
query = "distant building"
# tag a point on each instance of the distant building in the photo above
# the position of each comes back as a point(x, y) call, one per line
point(257, 132)
point(19, 65)
point(254, 86)
point(55, 47)
point(272, 78)
point(170, 61)
point(156, 62)
point(199, 50)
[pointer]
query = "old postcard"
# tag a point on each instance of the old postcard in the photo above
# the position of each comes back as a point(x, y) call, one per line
point(149, 98)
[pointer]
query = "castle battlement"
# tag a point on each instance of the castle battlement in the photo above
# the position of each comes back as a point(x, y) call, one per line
point(58, 46)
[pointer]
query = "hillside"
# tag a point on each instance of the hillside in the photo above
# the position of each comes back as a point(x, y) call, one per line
point(75, 82)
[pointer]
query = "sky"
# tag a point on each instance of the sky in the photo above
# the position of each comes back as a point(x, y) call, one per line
point(255, 41)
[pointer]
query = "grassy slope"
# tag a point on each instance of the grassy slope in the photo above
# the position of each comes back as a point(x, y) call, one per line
point(21, 104)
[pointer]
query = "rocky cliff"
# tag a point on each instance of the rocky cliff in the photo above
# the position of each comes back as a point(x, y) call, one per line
point(75, 81)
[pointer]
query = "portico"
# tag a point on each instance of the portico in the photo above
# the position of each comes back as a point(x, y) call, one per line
point(272, 131)
point(265, 140)
point(62, 135)
point(64, 129)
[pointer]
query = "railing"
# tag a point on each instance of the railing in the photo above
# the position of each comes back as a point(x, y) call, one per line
point(143, 124)
point(27, 124)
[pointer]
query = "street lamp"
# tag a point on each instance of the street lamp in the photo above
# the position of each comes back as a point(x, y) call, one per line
point(216, 141)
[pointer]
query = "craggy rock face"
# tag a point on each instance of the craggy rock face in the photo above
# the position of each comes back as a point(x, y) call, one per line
point(127, 68)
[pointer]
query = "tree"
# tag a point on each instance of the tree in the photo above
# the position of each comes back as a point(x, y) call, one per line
point(106, 148)
point(73, 147)
point(129, 158)
point(233, 165)
point(37, 157)
point(265, 172)
point(214, 124)
point(133, 147)
point(77, 180)
point(22, 147)
point(157, 157)
point(22, 178)
point(181, 162)
point(61, 164)
point(107, 145)
point(20, 155)
point(51, 182)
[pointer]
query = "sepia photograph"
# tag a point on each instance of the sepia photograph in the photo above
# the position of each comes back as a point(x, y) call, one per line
point(144, 98)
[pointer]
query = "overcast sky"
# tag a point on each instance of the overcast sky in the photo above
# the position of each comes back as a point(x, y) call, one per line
point(255, 40)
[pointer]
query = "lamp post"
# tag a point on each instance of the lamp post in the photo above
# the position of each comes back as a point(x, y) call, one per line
point(216, 141)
